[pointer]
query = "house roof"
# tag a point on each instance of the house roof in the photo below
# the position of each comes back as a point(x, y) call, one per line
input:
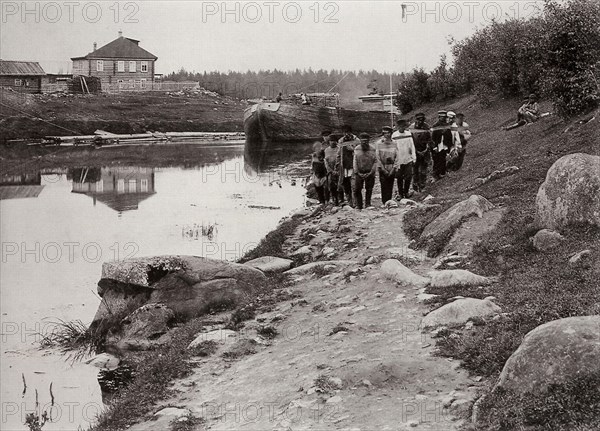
point(20, 68)
point(20, 192)
point(121, 47)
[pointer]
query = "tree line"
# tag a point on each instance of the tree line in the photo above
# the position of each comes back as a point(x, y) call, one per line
point(554, 55)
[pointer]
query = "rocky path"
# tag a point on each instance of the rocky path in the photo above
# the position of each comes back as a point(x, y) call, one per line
point(349, 353)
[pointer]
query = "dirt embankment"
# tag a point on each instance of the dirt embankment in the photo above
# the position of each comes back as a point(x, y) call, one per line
point(26, 116)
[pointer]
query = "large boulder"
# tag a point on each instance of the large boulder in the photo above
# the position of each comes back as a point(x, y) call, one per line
point(446, 223)
point(554, 353)
point(571, 192)
point(188, 285)
point(456, 278)
point(394, 270)
point(460, 311)
point(316, 266)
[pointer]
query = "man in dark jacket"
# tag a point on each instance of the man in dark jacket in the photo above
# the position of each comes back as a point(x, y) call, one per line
point(441, 137)
point(364, 166)
point(422, 139)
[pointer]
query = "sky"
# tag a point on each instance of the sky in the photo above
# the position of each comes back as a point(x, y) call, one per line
point(221, 36)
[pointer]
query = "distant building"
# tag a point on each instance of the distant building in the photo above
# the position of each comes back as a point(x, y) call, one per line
point(122, 63)
point(24, 76)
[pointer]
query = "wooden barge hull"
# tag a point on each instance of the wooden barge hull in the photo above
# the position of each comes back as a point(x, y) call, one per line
point(276, 123)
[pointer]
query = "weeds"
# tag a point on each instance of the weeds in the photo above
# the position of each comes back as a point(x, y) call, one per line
point(267, 331)
point(205, 348)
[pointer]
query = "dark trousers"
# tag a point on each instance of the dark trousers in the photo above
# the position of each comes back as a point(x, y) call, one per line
point(321, 194)
point(404, 176)
point(360, 182)
point(439, 163)
point(457, 163)
point(387, 187)
point(420, 172)
point(347, 189)
point(336, 195)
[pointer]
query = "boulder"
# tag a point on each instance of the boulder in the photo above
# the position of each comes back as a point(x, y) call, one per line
point(394, 270)
point(391, 204)
point(456, 278)
point(311, 267)
point(446, 223)
point(459, 312)
point(302, 251)
point(571, 192)
point(546, 239)
point(142, 328)
point(221, 336)
point(188, 285)
point(554, 353)
point(270, 264)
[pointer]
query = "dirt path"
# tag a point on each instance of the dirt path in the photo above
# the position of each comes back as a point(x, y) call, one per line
point(350, 332)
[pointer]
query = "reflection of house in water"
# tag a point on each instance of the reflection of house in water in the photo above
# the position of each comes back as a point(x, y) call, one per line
point(120, 188)
point(21, 186)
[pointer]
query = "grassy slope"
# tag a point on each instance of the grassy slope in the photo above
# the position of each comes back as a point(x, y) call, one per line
point(535, 287)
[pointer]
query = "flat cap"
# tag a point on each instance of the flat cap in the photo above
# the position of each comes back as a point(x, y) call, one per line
point(442, 113)
point(420, 115)
point(364, 135)
point(387, 129)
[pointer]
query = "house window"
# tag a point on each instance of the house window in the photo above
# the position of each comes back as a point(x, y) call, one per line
point(120, 66)
point(131, 83)
point(144, 185)
point(132, 66)
point(100, 186)
point(132, 186)
point(143, 83)
point(100, 65)
point(121, 185)
point(144, 67)
point(18, 82)
point(120, 82)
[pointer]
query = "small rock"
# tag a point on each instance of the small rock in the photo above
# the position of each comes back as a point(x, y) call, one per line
point(546, 240)
point(334, 400)
point(407, 202)
point(581, 259)
point(302, 251)
point(391, 204)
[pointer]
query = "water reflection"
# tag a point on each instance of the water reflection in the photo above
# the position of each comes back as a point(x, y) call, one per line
point(22, 185)
point(119, 188)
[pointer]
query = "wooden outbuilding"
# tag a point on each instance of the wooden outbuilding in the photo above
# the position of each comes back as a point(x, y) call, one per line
point(22, 76)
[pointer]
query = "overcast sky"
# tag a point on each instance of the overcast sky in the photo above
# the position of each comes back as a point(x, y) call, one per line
point(206, 36)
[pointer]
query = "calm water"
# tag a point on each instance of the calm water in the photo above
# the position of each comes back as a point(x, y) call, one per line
point(58, 228)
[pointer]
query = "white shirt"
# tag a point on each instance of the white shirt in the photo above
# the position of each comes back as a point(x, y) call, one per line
point(406, 147)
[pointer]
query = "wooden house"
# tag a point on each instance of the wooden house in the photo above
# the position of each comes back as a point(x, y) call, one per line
point(22, 76)
point(121, 63)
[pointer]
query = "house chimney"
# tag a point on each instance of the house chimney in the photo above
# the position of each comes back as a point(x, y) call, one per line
point(120, 33)
point(95, 46)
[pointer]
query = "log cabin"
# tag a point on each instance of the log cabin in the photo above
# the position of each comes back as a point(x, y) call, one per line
point(121, 65)
point(22, 76)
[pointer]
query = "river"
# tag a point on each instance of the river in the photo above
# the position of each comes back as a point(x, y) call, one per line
point(58, 227)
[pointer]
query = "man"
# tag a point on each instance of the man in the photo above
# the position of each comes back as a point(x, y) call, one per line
point(345, 161)
point(422, 140)
point(365, 166)
point(387, 154)
point(461, 135)
point(333, 174)
point(441, 138)
point(319, 172)
point(529, 112)
point(406, 157)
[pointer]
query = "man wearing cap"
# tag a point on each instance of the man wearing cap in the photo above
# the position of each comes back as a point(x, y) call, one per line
point(422, 138)
point(406, 157)
point(345, 161)
point(319, 172)
point(441, 138)
point(461, 135)
point(365, 166)
point(333, 172)
point(387, 154)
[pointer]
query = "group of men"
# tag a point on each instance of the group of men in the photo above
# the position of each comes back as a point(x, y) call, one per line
point(343, 166)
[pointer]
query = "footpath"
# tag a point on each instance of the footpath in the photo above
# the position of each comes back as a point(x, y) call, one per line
point(349, 353)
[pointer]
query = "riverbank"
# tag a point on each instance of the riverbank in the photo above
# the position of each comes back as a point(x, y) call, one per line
point(33, 116)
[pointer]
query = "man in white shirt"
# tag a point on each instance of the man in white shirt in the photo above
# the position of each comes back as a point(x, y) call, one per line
point(405, 159)
point(460, 135)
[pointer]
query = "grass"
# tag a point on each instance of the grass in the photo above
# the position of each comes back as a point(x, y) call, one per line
point(534, 287)
point(271, 245)
point(416, 220)
point(569, 407)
